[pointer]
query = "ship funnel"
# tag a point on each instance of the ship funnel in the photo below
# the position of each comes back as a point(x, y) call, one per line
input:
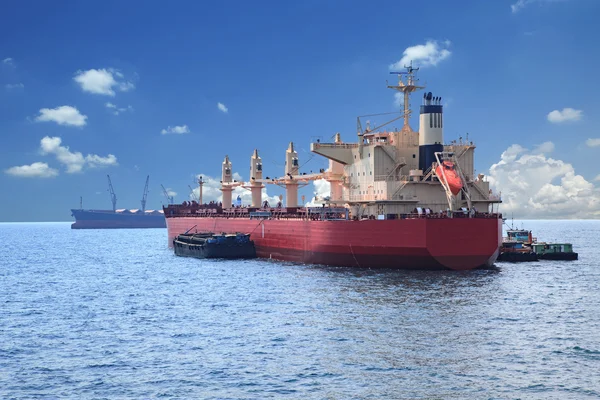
point(431, 137)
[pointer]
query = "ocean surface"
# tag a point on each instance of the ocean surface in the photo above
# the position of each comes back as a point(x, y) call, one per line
point(113, 314)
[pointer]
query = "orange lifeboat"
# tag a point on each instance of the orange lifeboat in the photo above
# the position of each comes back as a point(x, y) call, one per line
point(452, 177)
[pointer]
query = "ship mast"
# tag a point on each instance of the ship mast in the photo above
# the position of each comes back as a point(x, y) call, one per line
point(407, 88)
point(200, 184)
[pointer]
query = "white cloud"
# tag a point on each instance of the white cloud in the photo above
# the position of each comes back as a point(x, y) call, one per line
point(96, 161)
point(520, 4)
point(171, 193)
point(102, 81)
point(567, 114)
point(35, 170)
point(322, 190)
point(8, 61)
point(63, 115)
point(592, 142)
point(11, 86)
point(544, 148)
point(74, 161)
point(211, 191)
point(424, 55)
point(117, 110)
point(222, 107)
point(536, 186)
point(178, 130)
point(597, 179)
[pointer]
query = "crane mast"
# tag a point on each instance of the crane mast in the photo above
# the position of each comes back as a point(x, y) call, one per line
point(113, 196)
point(193, 194)
point(145, 196)
point(169, 198)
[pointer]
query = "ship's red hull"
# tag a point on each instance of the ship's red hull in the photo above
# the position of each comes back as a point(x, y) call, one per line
point(419, 243)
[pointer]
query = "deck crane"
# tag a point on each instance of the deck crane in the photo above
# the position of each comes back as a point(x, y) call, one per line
point(192, 194)
point(145, 194)
point(113, 196)
point(169, 198)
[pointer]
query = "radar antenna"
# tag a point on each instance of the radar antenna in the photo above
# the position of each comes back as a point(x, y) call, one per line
point(407, 87)
point(145, 194)
point(113, 196)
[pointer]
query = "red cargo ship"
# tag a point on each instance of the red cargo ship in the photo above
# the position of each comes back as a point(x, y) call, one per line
point(390, 206)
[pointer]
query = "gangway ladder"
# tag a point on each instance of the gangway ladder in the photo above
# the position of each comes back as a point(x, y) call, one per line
point(441, 156)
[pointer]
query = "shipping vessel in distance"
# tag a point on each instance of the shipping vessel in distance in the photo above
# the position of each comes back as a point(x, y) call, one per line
point(118, 218)
point(398, 199)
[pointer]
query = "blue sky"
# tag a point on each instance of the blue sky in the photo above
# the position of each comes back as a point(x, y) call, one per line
point(105, 80)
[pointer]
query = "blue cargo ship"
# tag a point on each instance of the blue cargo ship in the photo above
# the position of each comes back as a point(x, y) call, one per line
point(115, 219)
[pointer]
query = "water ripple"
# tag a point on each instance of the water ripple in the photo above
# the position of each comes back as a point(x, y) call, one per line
point(113, 314)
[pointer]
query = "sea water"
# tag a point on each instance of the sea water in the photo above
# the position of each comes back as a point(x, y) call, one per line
point(114, 314)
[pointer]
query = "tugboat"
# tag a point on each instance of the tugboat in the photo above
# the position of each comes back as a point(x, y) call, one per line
point(209, 245)
point(521, 246)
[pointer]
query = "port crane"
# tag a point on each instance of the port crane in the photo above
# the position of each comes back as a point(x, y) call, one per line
point(192, 194)
point(145, 194)
point(169, 198)
point(113, 196)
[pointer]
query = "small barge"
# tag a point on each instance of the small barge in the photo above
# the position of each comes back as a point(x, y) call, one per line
point(210, 245)
point(521, 246)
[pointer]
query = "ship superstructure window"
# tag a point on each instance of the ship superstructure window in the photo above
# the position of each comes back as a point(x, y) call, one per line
point(227, 171)
point(414, 156)
point(259, 167)
point(295, 162)
point(431, 120)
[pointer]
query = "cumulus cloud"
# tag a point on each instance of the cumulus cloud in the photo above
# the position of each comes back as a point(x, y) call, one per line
point(211, 191)
point(534, 185)
point(102, 81)
point(74, 161)
point(520, 4)
point(592, 142)
point(14, 86)
point(424, 55)
point(63, 115)
point(567, 114)
point(116, 110)
point(35, 170)
point(322, 190)
point(222, 107)
point(177, 130)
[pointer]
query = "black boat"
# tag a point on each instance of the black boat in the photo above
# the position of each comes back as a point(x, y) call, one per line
point(210, 245)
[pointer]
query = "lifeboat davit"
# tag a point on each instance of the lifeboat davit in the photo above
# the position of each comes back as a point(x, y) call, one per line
point(452, 177)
